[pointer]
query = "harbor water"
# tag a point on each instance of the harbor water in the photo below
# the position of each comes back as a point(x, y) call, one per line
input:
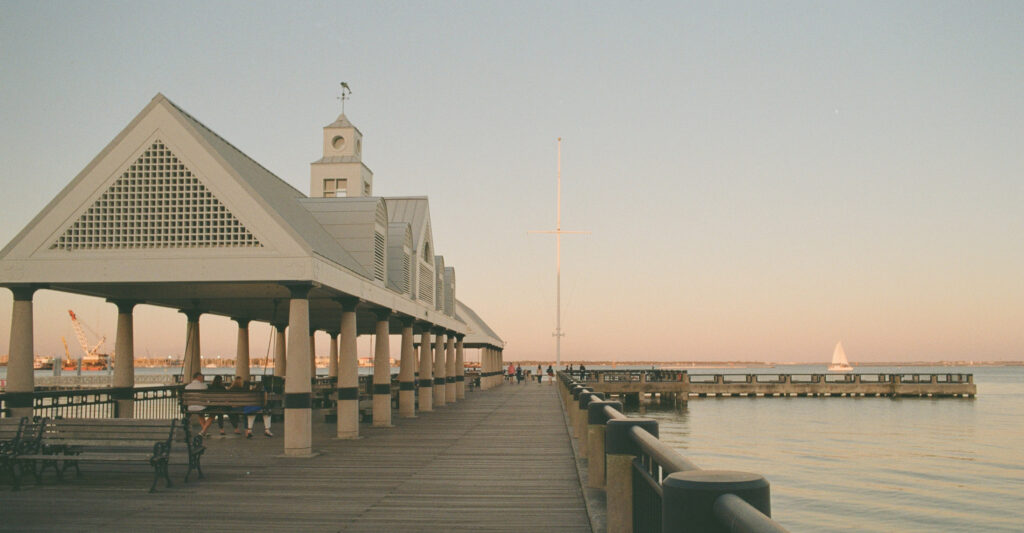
point(869, 464)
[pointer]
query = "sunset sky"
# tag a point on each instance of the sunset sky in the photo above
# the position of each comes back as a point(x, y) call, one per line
point(760, 179)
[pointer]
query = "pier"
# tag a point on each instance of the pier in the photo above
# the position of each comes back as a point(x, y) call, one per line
point(680, 385)
point(501, 460)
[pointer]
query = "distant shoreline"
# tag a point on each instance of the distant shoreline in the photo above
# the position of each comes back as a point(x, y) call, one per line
point(767, 364)
point(230, 363)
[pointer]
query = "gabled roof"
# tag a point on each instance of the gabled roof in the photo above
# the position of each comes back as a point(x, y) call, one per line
point(275, 199)
point(414, 210)
point(479, 332)
point(276, 194)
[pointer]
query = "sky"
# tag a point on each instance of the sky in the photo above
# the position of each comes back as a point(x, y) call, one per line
point(760, 180)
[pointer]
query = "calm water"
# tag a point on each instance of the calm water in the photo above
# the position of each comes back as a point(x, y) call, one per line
point(870, 464)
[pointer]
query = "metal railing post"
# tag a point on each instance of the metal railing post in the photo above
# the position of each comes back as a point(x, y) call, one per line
point(689, 498)
point(619, 453)
point(596, 421)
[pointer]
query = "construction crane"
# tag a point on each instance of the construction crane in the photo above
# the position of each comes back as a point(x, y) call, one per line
point(92, 356)
point(67, 353)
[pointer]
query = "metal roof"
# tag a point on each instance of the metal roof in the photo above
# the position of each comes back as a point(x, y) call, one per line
point(276, 194)
point(480, 334)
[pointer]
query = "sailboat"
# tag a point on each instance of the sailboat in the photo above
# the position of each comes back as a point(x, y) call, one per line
point(839, 362)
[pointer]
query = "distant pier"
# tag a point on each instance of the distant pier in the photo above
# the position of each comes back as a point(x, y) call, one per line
point(680, 385)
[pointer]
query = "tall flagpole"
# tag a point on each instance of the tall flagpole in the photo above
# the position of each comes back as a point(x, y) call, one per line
point(558, 334)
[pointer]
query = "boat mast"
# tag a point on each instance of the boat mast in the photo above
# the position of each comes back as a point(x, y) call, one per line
point(558, 334)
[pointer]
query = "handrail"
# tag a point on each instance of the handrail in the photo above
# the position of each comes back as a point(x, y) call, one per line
point(663, 481)
point(155, 402)
point(670, 460)
point(613, 413)
point(738, 516)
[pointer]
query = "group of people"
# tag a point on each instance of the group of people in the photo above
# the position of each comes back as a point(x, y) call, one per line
point(248, 413)
point(516, 374)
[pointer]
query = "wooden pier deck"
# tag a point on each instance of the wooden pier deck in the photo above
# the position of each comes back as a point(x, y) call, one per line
point(501, 460)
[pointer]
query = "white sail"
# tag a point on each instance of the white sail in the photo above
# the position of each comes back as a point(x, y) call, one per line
point(839, 362)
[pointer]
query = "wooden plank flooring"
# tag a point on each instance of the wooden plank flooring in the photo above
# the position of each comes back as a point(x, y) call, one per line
point(501, 460)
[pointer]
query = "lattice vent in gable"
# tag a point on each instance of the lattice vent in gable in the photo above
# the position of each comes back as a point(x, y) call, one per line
point(156, 203)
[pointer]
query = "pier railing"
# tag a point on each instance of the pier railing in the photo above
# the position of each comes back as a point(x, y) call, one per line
point(683, 383)
point(148, 402)
point(158, 401)
point(649, 486)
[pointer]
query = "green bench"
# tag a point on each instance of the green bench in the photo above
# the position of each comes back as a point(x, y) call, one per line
point(18, 437)
point(65, 443)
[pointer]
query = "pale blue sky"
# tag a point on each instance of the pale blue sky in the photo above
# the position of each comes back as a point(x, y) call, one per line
point(761, 179)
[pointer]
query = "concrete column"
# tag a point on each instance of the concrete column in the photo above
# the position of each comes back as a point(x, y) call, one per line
point(193, 353)
point(280, 350)
point(619, 453)
point(298, 394)
point(460, 369)
point(124, 360)
point(20, 376)
point(485, 368)
point(496, 368)
point(449, 368)
point(596, 421)
point(485, 358)
point(407, 372)
point(312, 354)
point(242, 350)
point(426, 372)
point(382, 371)
point(332, 364)
point(348, 372)
point(439, 370)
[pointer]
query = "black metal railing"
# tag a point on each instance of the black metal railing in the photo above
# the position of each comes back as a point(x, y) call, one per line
point(148, 402)
point(666, 492)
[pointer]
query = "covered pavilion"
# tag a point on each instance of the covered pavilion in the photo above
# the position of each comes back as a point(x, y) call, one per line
point(171, 214)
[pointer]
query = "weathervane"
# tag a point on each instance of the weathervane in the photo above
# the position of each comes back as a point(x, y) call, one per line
point(558, 232)
point(346, 93)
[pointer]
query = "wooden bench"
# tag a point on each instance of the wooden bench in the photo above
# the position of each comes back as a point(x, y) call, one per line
point(18, 437)
point(219, 402)
point(67, 442)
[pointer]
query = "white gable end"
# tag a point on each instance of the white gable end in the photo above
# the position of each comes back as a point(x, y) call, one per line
point(156, 203)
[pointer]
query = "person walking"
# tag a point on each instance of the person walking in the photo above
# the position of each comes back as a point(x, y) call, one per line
point(511, 373)
point(519, 374)
point(540, 374)
point(551, 375)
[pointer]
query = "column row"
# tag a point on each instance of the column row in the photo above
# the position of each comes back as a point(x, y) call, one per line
point(441, 364)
